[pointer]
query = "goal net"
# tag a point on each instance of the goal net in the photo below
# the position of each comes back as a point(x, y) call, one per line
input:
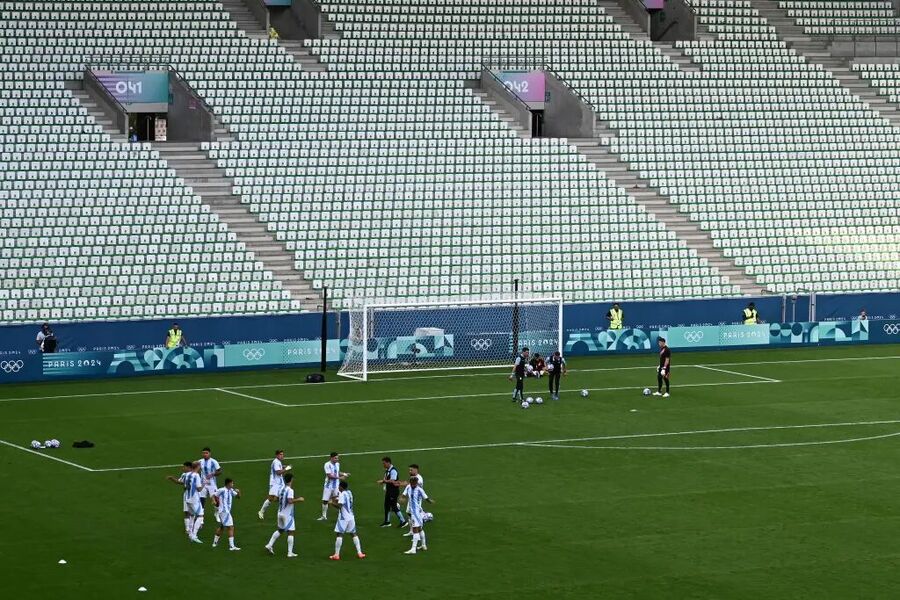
point(421, 336)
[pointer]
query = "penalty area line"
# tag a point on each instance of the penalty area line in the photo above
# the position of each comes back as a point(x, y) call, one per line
point(768, 379)
point(47, 456)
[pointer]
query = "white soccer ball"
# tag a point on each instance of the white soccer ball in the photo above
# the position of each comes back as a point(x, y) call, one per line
point(35, 444)
point(428, 517)
point(529, 399)
point(584, 393)
point(54, 442)
point(646, 391)
point(550, 367)
point(525, 404)
point(538, 400)
point(48, 444)
point(529, 368)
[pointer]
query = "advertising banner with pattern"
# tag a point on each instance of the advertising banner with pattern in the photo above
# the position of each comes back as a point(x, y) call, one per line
point(136, 87)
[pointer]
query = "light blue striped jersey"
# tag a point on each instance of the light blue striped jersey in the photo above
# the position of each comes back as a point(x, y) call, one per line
point(345, 500)
point(332, 469)
point(285, 506)
point(415, 496)
point(192, 486)
point(226, 496)
point(274, 478)
point(208, 466)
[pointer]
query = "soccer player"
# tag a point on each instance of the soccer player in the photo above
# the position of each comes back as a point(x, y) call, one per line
point(662, 375)
point(276, 481)
point(390, 483)
point(538, 366)
point(556, 368)
point(224, 496)
point(193, 508)
point(286, 502)
point(346, 522)
point(333, 477)
point(519, 373)
point(414, 496)
point(413, 472)
point(209, 470)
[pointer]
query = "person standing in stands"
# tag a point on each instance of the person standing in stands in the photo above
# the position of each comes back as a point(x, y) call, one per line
point(46, 339)
point(615, 316)
point(749, 315)
point(175, 337)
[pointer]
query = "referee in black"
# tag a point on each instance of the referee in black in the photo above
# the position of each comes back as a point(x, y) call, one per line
point(519, 373)
point(665, 368)
point(391, 484)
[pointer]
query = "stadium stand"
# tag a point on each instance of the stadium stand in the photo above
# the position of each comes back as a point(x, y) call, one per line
point(843, 17)
point(387, 176)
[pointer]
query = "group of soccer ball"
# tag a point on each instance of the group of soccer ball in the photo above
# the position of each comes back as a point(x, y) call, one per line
point(48, 444)
point(527, 402)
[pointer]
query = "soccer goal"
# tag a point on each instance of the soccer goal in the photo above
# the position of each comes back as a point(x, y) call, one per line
point(386, 337)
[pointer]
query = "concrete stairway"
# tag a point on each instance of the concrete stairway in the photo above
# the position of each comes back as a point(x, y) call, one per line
point(630, 26)
point(504, 114)
point(598, 151)
point(816, 52)
point(245, 19)
point(308, 61)
point(215, 189)
point(100, 117)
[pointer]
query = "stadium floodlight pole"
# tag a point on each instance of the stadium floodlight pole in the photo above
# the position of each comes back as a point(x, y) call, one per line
point(324, 349)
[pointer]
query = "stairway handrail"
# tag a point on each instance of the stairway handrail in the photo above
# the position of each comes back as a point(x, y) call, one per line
point(487, 69)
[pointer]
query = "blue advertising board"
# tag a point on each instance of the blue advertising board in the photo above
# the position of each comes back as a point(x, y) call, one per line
point(103, 349)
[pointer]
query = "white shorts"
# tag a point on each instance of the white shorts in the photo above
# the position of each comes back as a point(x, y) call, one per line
point(416, 519)
point(208, 490)
point(274, 490)
point(285, 522)
point(226, 519)
point(328, 493)
point(194, 508)
point(345, 526)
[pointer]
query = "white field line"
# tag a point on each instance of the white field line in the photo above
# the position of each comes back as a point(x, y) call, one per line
point(527, 443)
point(43, 455)
point(447, 376)
point(768, 379)
point(233, 393)
point(742, 447)
point(486, 395)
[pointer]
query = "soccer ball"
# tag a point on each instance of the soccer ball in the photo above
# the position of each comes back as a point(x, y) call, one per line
point(35, 444)
point(529, 399)
point(646, 391)
point(529, 368)
point(427, 517)
point(584, 393)
point(539, 400)
point(525, 404)
point(48, 444)
point(54, 443)
point(549, 367)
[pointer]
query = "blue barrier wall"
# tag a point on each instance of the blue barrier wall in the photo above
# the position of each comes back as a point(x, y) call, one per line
point(131, 347)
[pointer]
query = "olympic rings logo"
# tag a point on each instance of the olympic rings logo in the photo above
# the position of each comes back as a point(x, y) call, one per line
point(891, 328)
point(11, 366)
point(692, 337)
point(481, 344)
point(254, 353)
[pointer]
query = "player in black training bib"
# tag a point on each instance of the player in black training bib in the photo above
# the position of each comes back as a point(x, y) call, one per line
point(665, 366)
point(518, 373)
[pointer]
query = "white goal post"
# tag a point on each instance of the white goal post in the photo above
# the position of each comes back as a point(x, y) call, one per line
point(388, 337)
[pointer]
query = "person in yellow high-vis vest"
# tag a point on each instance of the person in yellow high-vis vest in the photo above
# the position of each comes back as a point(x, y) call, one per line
point(175, 337)
point(616, 317)
point(749, 315)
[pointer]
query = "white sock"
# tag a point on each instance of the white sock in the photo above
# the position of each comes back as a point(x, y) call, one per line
point(273, 538)
point(357, 544)
point(265, 506)
point(216, 540)
point(338, 542)
point(187, 525)
point(422, 537)
point(198, 523)
point(290, 544)
point(325, 510)
point(415, 542)
point(231, 542)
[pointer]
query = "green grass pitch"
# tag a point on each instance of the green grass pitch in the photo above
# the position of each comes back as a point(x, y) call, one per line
point(767, 474)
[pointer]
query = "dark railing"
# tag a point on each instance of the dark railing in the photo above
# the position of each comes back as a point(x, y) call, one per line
point(111, 105)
